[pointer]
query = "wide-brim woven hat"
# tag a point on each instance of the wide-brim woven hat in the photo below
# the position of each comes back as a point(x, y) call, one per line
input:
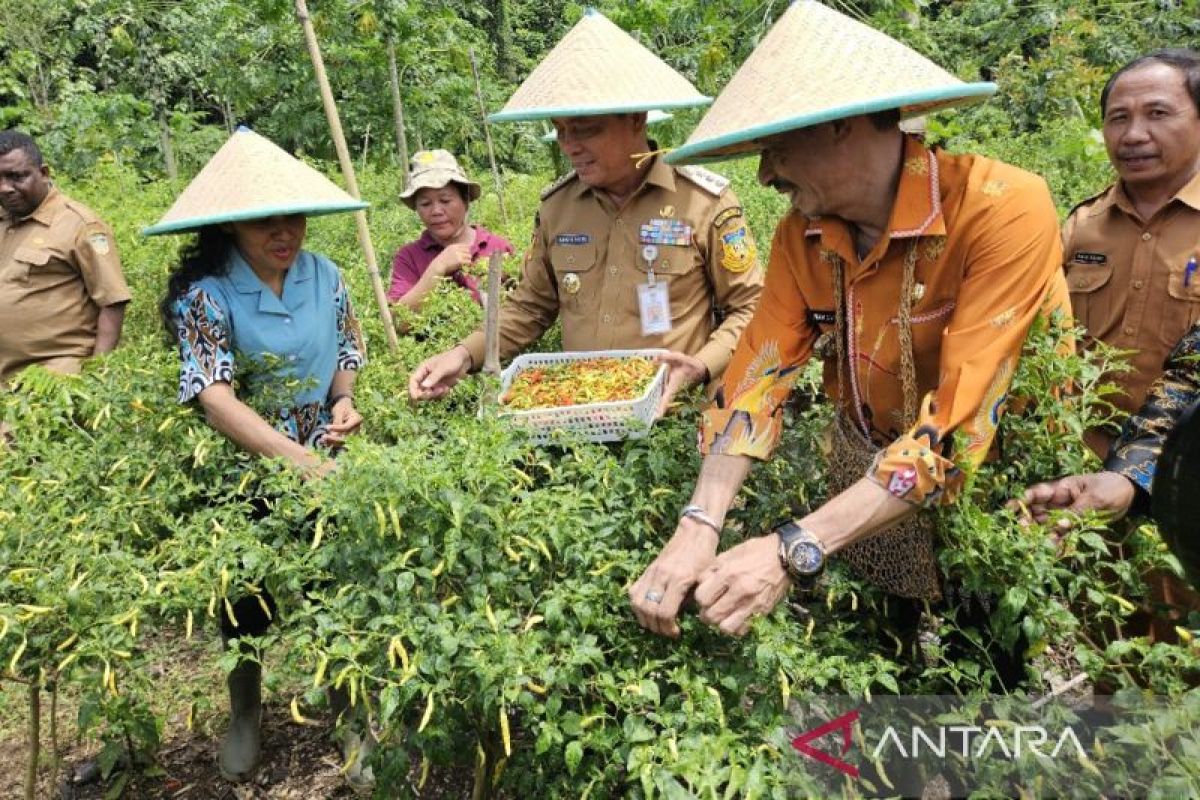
point(652, 116)
point(251, 177)
point(816, 65)
point(433, 169)
point(596, 69)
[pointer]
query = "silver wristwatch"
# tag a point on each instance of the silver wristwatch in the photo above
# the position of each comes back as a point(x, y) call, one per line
point(800, 553)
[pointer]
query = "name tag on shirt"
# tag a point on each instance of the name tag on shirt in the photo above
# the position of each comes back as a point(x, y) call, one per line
point(654, 307)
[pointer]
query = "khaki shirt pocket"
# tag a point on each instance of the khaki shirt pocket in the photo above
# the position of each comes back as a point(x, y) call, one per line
point(674, 259)
point(24, 260)
point(1179, 285)
point(1182, 310)
point(1089, 303)
point(575, 273)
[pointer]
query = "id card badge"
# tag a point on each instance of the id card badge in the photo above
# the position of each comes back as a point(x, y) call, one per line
point(654, 305)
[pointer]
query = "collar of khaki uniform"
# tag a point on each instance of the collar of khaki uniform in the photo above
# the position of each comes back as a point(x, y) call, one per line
point(659, 174)
point(1190, 193)
point(1116, 195)
point(46, 211)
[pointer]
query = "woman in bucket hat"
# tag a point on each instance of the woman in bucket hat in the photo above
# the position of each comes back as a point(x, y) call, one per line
point(441, 194)
point(913, 273)
point(269, 348)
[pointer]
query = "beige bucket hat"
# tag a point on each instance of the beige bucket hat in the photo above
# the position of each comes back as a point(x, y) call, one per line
point(817, 65)
point(251, 177)
point(433, 169)
point(596, 69)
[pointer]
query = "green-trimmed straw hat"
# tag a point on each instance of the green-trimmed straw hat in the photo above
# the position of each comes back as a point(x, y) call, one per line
point(596, 69)
point(817, 65)
point(250, 177)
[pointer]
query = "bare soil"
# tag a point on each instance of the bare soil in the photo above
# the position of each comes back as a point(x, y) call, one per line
point(299, 761)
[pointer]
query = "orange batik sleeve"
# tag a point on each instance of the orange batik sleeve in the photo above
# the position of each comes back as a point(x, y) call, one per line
point(1013, 271)
point(746, 419)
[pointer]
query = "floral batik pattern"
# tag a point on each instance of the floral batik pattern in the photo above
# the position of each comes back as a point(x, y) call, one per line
point(351, 346)
point(1135, 452)
point(207, 356)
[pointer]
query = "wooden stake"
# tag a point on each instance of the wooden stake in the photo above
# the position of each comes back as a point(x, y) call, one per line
point(491, 324)
point(343, 153)
point(487, 134)
point(397, 109)
point(35, 738)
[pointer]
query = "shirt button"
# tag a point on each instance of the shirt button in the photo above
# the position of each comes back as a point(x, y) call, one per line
point(1138, 284)
point(1147, 236)
point(287, 320)
point(612, 268)
point(607, 319)
point(1128, 330)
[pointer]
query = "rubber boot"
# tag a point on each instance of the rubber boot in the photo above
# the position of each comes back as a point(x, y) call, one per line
point(356, 747)
point(242, 745)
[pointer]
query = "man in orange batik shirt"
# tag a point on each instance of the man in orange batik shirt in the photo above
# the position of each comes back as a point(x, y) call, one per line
point(915, 275)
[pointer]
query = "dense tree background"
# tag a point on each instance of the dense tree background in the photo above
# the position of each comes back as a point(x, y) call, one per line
point(157, 83)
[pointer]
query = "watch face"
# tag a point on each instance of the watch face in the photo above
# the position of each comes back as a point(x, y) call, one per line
point(806, 557)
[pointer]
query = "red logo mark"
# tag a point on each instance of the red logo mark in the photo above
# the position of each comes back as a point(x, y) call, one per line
point(843, 723)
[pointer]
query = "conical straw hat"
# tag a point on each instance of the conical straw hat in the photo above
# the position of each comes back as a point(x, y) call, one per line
point(250, 177)
point(598, 68)
point(817, 65)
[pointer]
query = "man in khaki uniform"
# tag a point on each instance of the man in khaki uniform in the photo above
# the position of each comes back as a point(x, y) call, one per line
point(1131, 250)
point(628, 251)
point(1131, 255)
point(62, 295)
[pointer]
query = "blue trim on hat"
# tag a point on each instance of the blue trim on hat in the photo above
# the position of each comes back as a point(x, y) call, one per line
point(700, 152)
point(526, 114)
point(308, 210)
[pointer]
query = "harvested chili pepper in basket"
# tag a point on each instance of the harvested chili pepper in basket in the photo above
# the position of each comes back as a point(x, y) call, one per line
point(592, 380)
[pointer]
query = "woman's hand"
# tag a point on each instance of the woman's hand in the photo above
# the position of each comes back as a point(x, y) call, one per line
point(451, 260)
point(345, 421)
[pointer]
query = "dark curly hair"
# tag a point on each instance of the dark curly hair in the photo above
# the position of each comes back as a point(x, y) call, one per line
point(207, 254)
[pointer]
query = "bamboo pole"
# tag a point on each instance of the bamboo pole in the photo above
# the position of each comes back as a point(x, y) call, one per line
point(343, 153)
point(397, 109)
point(491, 323)
point(487, 133)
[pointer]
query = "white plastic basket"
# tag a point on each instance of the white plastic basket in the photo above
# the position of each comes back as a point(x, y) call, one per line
point(594, 422)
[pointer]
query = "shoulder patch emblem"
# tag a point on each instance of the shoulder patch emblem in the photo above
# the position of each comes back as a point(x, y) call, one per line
point(99, 243)
point(917, 165)
point(737, 250)
point(707, 180)
point(558, 184)
point(733, 212)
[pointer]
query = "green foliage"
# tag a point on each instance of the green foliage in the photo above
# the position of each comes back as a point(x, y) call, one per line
point(449, 574)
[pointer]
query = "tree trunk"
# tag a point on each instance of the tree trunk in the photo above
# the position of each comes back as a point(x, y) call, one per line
point(397, 109)
point(164, 141)
point(503, 34)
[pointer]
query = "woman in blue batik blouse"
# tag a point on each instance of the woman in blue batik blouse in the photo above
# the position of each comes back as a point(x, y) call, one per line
point(269, 347)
